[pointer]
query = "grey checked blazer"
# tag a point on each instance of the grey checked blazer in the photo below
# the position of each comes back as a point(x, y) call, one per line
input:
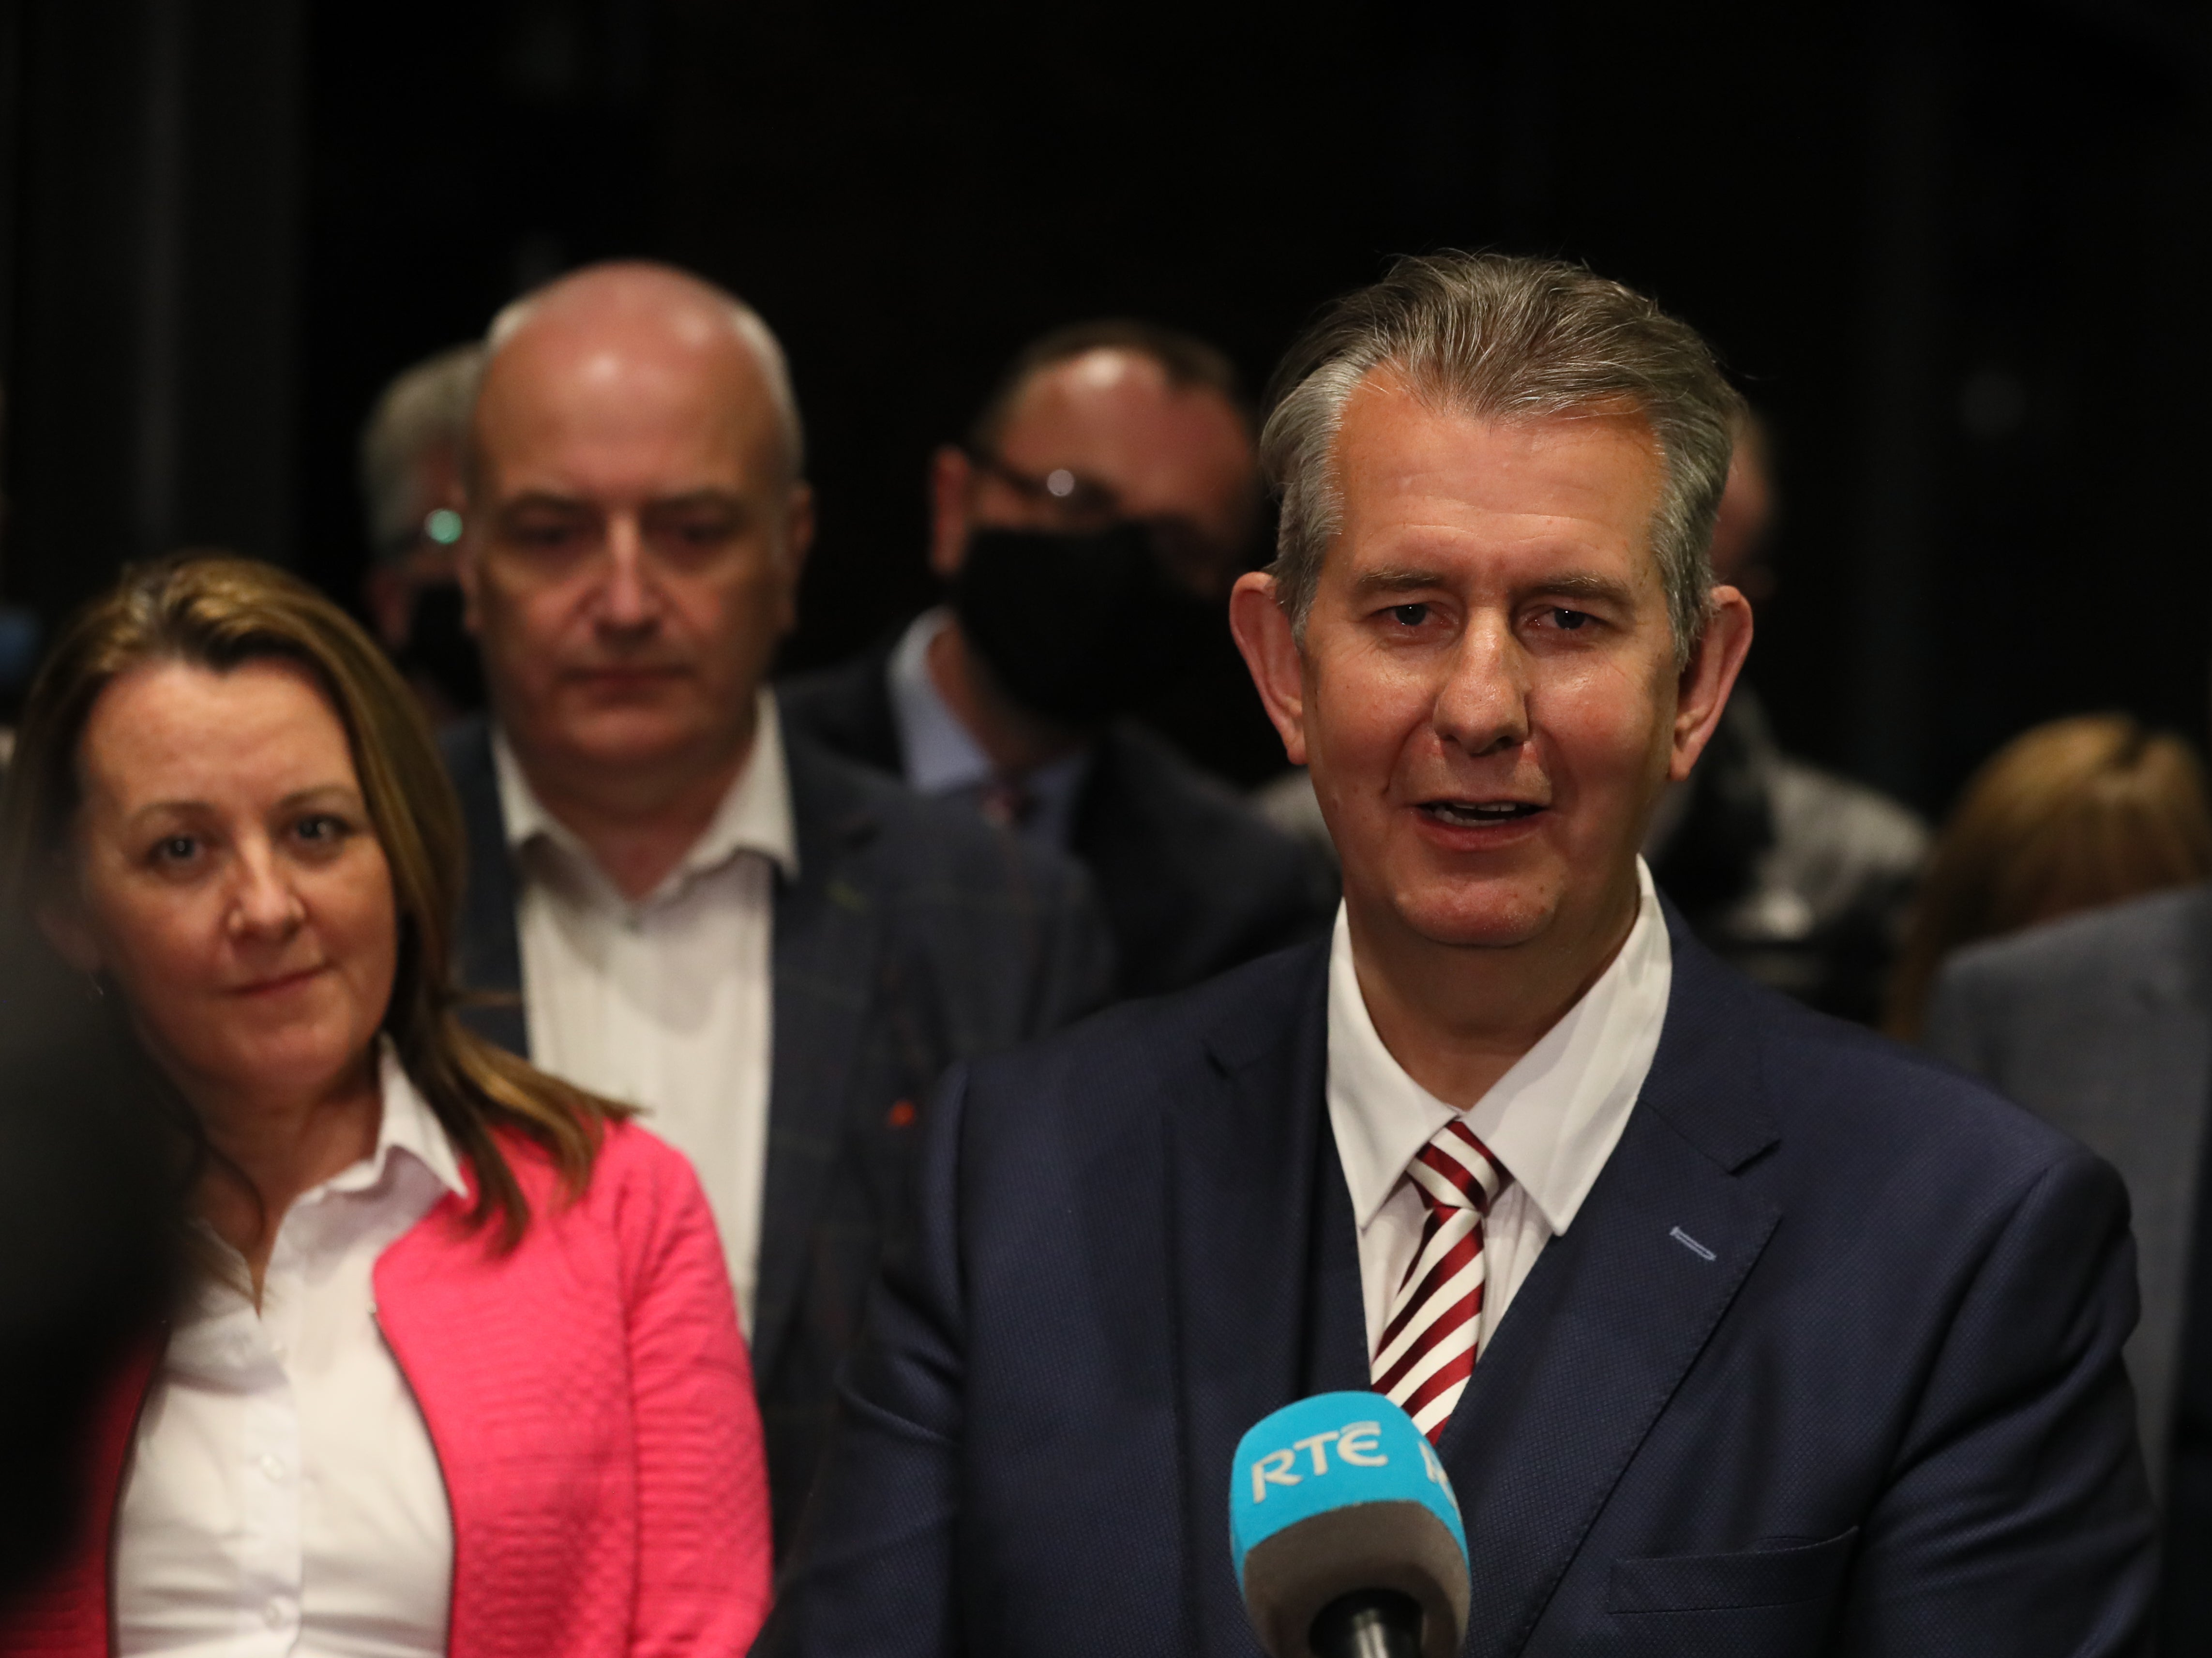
point(913, 935)
point(2101, 1023)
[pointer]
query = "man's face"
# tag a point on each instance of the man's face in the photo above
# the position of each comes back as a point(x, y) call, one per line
point(1104, 437)
point(1487, 694)
point(633, 547)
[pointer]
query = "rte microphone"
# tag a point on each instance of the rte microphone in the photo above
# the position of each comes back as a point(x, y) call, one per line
point(1347, 1536)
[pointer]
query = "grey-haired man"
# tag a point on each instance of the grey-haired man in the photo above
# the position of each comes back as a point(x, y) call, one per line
point(1737, 1330)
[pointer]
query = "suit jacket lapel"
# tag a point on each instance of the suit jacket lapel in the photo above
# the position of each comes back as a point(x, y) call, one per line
point(824, 977)
point(1614, 1314)
point(1245, 1142)
point(489, 949)
point(1336, 1314)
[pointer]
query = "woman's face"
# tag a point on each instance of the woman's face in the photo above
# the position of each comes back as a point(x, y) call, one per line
point(228, 882)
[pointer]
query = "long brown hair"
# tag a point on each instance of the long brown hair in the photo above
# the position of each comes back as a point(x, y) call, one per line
point(2071, 814)
point(216, 613)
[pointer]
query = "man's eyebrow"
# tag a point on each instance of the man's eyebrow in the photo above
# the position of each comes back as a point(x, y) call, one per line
point(1398, 580)
point(727, 500)
point(1568, 584)
point(1584, 583)
point(541, 500)
point(551, 500)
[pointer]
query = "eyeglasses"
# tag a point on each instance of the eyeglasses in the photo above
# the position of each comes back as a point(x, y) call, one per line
point(1068, 501)
point(1071, 499)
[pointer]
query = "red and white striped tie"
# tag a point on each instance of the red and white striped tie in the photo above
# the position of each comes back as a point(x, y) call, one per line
point(1427, 1349)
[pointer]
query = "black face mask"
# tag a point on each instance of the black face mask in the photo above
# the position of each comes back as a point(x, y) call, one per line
point(1076, 628)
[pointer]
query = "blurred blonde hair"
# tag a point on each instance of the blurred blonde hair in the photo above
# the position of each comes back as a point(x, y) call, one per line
point(2071, 814)
point(216, 613)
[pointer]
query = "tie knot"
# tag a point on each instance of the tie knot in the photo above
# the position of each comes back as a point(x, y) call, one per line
point(1455, 1171)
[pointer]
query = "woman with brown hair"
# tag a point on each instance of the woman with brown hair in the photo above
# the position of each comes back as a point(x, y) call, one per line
point(2067, 817)
point(461, 1372)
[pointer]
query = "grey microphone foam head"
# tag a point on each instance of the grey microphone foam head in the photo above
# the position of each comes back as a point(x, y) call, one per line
point(1340, 1495)
point(1292, 1574)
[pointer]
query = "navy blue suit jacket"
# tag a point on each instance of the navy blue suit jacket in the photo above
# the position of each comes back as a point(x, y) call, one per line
point(1828, 1362)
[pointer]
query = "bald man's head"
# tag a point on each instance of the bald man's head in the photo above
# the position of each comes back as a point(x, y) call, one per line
point(640, 299)
point(636, 526)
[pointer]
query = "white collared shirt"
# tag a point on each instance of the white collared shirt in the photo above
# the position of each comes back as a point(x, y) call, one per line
point(1552, 1121)
point(282, 1496)
point(667, 1003)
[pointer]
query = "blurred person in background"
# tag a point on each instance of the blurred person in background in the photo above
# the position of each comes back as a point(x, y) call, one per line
point(2102, 1023)
point(2073, 815)
point(410, 484)
point(1791, 874)
point(90, 1219)
point(459, 1370)
point(690, 904)
point(89, 1213)
point(1090, 528)
point(20, 632)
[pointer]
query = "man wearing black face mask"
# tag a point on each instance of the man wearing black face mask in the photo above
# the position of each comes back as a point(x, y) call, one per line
point(1090, 529)
point(410, 483)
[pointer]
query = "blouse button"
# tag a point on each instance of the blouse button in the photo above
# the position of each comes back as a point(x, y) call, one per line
point(275, 1469)
point(273, 1614)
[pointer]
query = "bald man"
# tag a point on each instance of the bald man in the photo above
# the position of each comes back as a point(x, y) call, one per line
point(1088, 530)
point(692, 906)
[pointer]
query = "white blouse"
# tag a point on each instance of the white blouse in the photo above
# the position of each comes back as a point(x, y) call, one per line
point(282, 1496)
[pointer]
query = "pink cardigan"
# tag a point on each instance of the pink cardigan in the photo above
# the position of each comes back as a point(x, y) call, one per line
point(592, 1406)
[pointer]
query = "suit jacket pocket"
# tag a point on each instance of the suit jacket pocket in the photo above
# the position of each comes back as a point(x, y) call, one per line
point(1801, 1575)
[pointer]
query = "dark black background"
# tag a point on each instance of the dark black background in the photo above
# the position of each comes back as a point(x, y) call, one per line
point(1956, 253)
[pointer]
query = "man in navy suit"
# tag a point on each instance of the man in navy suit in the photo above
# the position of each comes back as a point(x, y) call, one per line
point(1737, 1329)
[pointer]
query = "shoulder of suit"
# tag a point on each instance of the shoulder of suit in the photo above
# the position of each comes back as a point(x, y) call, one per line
point(2161, 938)
point(1870, 1132)
point(825, 693)
point(846, 707)
point(1236, 1014)
point(1190, 806)
point(910, 835)
point(1833, 1091)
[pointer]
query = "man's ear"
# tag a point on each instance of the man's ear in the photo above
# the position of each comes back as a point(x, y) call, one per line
point(1278, 668)
point(951, 475)
point(1703, 690)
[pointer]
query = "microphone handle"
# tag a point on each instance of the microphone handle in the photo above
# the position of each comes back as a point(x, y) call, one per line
point(1368, 1623)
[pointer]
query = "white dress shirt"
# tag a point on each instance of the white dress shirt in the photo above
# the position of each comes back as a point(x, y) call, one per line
point(282, 1496)
point(1552, 1121)
point(667, 1002)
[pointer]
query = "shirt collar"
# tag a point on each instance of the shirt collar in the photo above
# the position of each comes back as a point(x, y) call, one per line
point(942, 757)
point(406, 1124)
point(755, 815)
point(939, 755)
point(1552, 1120)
